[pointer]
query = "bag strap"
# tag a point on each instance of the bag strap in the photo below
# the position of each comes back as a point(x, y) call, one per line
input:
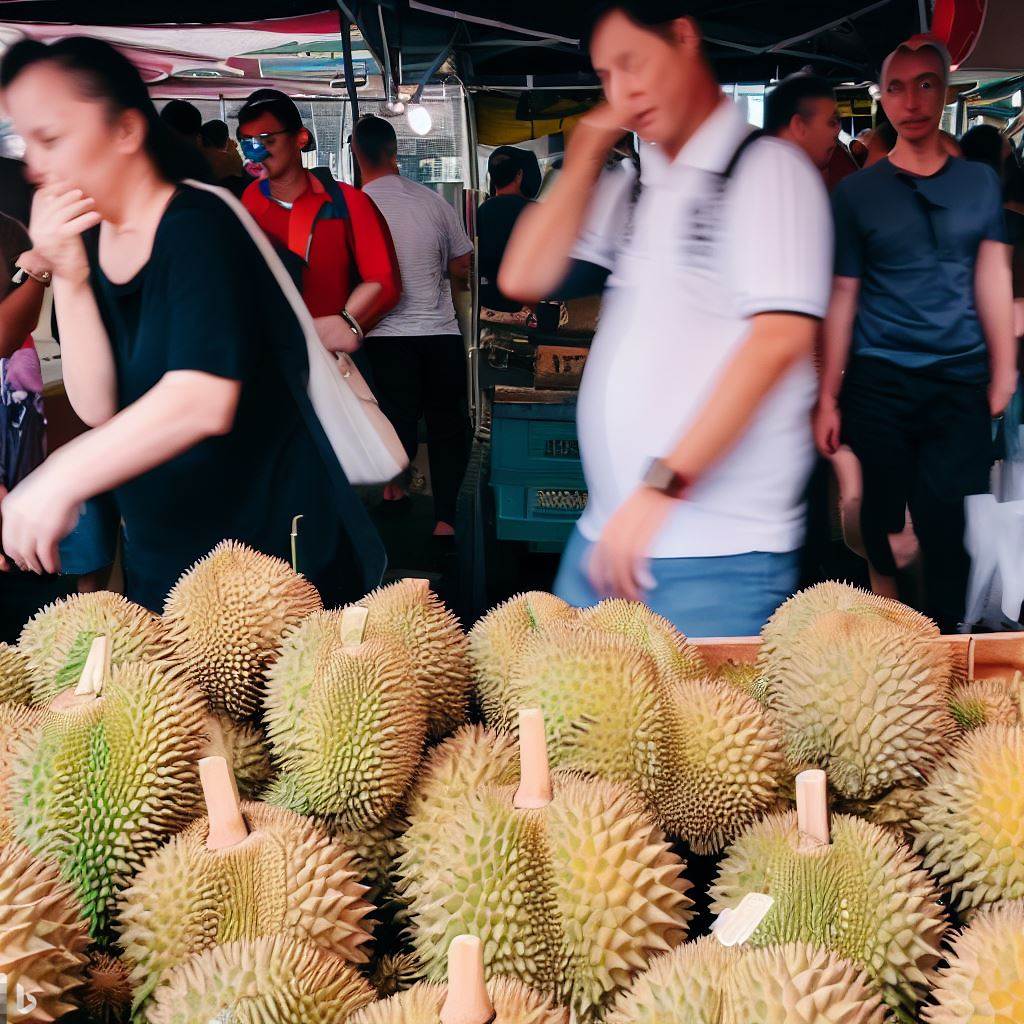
point(339, 207)
point(748, 140)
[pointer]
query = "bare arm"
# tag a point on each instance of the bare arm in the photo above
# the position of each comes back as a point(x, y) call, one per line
point(459, 270)
point(537, 257)
point(19, 314)
point(993, 296)
point(836, 338)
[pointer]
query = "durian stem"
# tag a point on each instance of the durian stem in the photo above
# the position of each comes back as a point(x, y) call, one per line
point(534, 771)
point(226, 824)
point(812, 809)
point(467, 1001)
point(96, 668)
point(295, 541)
point(353, 625)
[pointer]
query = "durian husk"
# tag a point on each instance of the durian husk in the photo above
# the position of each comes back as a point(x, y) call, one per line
point(43, 936)
point(100, 786)
point(107, 994)
point(984, 980)
point(513, 1002)
point(983, 702)
point(57, 639)
point(970, 828)
point(572, 899)
point(245, 748)
point(497, 640)
point(15, 676)
point(346, 727)
point(748, 677)
point(408, 613)
point(865, 897)
point(16, 721)
point(395, 972)
point(286, 877)
point(271, 980)
point(227, 618)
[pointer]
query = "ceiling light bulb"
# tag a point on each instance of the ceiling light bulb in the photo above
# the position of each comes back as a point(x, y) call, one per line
point(419, 118)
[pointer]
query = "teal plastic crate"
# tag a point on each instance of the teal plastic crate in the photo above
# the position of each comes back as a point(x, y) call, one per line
point(536, 473)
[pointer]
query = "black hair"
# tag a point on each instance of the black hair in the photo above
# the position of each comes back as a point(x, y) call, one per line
point(106, 75)
point(788, 99)
point(375, 140)
point(214, 134)
point(655, 15)
point(183, 117)
point(1014, 190)
point(271, 101)
point(983, 144)
point(502, 167)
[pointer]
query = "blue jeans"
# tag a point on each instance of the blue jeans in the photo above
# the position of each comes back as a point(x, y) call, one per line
point(725, 595)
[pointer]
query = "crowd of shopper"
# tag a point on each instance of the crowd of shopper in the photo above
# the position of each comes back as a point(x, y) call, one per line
point(747, 320)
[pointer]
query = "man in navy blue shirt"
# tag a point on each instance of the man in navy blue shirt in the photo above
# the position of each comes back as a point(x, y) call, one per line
point(919, 351)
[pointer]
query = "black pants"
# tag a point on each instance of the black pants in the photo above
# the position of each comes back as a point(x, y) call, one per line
point(925, 443)
point(426, 376)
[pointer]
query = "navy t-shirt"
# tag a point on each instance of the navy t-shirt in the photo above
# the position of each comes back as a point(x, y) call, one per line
point(913, 243)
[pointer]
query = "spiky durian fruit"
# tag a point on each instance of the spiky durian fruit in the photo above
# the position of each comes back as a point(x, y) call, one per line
point(274, 980)
point(572, 898)
point(800, 984)
point(346, 727)
point(56, 640)
point(970, 829)
point(394, 973)
point(246, 750)
point(864, 897)
point(15, 722)
point(864, 700)
point(286, 877)
point(984, 702)
point(745, 676)
point(681, 987)
point(410, 614)
point(514, 1003)
point(15, 676)
point(497, 640)
point(374, 851)
point(43, 936)
point(984, 982)
point(106, 995)
point(100, 786)
point(226, 619)
point(677, 659)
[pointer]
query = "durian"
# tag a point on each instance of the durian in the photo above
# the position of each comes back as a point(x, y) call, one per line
point(16, 721)
point(226, 619)
point(864, 700)
point(100, 786)
point(346, 727)
point(106, 995)
point(497, 640)
point(572, 898)
point(865, 897)
point(286, 877)
point(677, 659)
point(273, 980)
point(394, 973)
point(984, 982)
point(15, 676)
point(745, 676)
point(409, 614)
point(970, 828)
point(43, 937)
point(246, 750)
point(984, 702)
point(56, 640)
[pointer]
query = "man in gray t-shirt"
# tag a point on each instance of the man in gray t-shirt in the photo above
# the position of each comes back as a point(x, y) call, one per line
point(416, 351)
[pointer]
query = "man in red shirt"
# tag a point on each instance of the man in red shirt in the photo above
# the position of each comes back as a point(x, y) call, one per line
point(333, 232)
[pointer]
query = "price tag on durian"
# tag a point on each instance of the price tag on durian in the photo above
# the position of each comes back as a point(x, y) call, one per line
point(353, 625)
point(733, 927)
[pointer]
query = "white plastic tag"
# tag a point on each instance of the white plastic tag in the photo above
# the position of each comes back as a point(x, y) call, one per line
point(353, 625)
point(733, 927)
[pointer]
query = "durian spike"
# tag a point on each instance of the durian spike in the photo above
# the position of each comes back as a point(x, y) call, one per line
point(467, 1001)
point(226, 824)
point(534, 772)
point(96, 669)
point(353, 625)
point(812, 810)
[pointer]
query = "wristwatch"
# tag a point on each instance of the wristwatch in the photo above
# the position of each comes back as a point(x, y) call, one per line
point(661, 477)
point(353, 324)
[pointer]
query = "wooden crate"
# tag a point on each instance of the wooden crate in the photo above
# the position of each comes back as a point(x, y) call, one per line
point(979, 655)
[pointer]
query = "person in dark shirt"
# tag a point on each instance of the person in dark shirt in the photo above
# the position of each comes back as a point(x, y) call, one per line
point(180, 349)
point(515, 181)
point(184, 118)
point(919, 351)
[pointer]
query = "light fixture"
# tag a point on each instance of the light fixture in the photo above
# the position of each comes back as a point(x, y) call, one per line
point(396, 106)
point(419, 118)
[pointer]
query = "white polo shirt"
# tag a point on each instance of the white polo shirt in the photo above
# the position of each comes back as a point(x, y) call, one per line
point(686, 279)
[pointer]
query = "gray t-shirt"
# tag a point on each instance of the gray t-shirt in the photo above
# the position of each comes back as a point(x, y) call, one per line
point(427, 236)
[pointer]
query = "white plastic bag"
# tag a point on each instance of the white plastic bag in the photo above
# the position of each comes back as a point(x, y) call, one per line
point(995, 541)
point(364, 441)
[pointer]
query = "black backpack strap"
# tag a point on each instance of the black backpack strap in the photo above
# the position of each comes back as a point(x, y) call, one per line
point(333, 189)
point(748, 141)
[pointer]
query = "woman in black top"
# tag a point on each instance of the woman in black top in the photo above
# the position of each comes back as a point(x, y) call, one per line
point(178, 347)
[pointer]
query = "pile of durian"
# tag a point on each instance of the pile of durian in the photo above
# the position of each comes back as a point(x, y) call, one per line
point(252, 809)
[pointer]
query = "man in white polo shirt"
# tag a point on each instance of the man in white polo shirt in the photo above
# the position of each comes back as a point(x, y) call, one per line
point(694, 414)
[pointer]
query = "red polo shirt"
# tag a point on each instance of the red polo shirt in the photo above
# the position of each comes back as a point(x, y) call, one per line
point(340, 254)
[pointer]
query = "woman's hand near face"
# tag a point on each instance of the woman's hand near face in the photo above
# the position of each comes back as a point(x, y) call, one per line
point(58, 220)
